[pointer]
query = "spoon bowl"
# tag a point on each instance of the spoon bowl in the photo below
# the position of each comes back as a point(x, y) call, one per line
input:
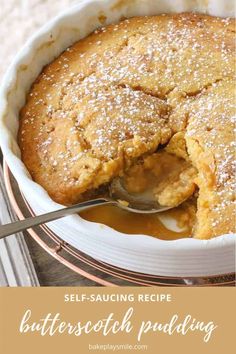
point(141, 203)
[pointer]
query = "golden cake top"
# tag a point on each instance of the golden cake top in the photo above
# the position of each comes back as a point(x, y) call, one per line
point(124, 90)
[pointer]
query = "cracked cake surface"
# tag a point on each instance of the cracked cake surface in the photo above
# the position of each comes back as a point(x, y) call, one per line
point(126, 90)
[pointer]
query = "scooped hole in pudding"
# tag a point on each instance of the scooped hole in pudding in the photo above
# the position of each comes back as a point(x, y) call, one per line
point(168, 174)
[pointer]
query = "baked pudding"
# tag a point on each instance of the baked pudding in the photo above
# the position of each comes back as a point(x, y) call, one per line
point(151, 99)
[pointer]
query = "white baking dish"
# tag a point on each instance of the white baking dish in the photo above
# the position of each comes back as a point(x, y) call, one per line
point(184, 257)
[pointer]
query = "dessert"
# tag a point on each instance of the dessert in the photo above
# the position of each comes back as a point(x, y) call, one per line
point(141, 95)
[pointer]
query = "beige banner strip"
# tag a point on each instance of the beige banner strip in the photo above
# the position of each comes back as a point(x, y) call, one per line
point(123, 320)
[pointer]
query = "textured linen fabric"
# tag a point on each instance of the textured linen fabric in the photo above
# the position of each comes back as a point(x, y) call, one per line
point(18, 21)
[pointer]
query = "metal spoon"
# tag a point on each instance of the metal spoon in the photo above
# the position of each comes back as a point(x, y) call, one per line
point(143, 204)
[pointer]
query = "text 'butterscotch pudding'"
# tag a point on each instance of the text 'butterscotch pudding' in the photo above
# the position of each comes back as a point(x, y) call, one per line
point(151, 99)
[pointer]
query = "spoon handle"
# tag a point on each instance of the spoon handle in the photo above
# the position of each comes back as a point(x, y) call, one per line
point(12, 228)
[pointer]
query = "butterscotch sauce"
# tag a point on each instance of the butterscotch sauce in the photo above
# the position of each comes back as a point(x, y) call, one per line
point(131, 223)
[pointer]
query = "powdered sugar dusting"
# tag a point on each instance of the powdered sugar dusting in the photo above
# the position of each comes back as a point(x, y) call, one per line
point(123, 91)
